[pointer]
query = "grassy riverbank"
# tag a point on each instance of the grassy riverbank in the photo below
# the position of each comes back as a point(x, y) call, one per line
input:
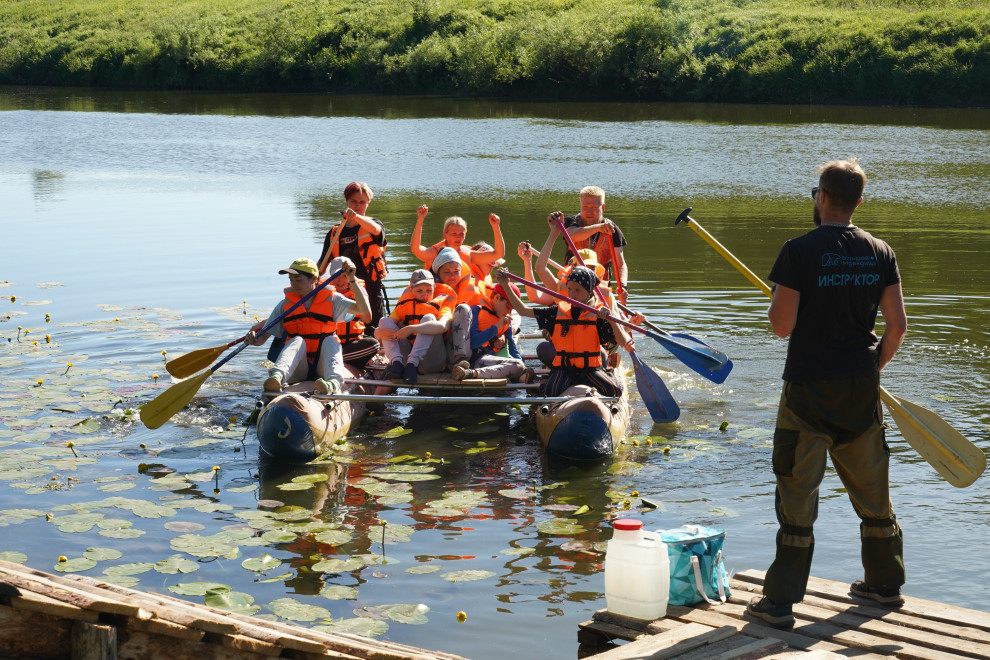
point(914, 52)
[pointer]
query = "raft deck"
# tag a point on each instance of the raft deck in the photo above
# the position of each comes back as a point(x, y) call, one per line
point(79, 617)
point(830, 623)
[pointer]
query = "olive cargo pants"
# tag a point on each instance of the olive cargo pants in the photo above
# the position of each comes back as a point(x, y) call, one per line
point(839, 418)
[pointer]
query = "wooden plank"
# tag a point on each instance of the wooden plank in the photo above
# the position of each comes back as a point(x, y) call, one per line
point(92, 641)
point(145, 645)
point(25, 578)
point(731, 614)
point(19, 636)
point(29, 601)
point(669, 644)
point(162, 627)
point(927, 609)
point(737, 647)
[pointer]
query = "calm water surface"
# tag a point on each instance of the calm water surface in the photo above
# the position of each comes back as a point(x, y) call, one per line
point(149, 223)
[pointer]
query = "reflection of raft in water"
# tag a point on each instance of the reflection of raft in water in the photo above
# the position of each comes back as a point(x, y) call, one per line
point(297, 427)
point(586, 427)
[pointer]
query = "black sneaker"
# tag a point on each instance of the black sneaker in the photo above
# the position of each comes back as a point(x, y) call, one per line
point(411, 373)
point(777, 615)
point(886, 596)
point(394, 371)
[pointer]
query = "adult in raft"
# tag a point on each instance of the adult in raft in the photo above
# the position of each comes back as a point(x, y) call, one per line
point(454, 233)
point(828, 286)
point(360, 238)
point(577, 335)
point(591, 229)
point(311, 349)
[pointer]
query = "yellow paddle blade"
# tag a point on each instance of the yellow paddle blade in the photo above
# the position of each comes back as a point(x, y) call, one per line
point(162, 407)
point(958, 460)
point(194, 361)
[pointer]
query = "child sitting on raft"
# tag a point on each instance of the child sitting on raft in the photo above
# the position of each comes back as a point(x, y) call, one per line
point(412, 335)
point(311, 348)
point(491, 330)
point(576, 335)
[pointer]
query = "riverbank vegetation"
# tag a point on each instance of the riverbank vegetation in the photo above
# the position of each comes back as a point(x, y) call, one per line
point(910, 52)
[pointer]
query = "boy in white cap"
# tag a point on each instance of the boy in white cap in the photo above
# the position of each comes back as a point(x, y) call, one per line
point(412, 335)
point(311, 347)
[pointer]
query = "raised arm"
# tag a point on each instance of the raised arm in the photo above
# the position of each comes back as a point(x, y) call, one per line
point(534, 295)
point(420, 251)
point(511, 296)
point(481, 258)
point(360, 307)
point(364, 222)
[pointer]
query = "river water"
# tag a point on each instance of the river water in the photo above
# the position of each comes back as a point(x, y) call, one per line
point(142, 223)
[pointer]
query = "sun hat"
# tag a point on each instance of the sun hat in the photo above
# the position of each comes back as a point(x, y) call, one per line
point(337, 264)
point(301, 266)
point(589, 257)
point(445, 256)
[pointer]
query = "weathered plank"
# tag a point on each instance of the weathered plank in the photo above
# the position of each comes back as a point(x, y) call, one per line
point(92, 641)
point(668, 644)
point(19, 636)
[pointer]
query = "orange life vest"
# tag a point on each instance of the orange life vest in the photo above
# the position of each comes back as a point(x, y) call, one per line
point(314, 324)
point(488, 318)
point(576, 340)
point(409, 311)
point(353, 329)
point(372, 254)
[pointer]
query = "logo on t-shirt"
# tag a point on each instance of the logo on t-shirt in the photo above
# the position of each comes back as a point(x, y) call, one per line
point(833, 260)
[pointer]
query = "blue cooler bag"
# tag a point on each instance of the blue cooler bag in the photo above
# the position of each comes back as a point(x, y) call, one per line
point(697, 572)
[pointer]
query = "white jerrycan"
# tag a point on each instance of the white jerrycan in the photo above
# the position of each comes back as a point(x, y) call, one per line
point(637, 572)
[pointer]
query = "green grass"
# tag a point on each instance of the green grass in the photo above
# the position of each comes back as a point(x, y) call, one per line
point(916, 52)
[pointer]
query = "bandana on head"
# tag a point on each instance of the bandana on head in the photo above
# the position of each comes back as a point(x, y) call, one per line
point(585, 277)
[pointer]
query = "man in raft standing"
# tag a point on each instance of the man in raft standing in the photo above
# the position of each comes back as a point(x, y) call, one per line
point(591, 229)
point(828, 286)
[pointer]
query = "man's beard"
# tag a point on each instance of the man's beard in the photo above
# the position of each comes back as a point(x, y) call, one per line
point(817, 217)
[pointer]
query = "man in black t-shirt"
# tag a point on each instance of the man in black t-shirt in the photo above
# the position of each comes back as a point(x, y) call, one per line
point(828, 286)
point(591, 229)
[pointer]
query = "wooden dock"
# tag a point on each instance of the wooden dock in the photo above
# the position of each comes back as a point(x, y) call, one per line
point(830, 623)
point(81, 618)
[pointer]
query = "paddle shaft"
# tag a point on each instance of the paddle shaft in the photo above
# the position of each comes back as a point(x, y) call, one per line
point(333, 242)
point(577, 257)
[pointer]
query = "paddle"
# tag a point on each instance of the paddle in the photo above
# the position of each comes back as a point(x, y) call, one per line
point(658, 399)
point(700, 357)
point(953, 456)
point(160, 409)
point(333, 241)
point(190, 363)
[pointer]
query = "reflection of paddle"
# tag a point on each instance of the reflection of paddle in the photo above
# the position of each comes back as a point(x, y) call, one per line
point(702, 358)
point(953, 456)
point(190, 363)
point(657, 398)
point(160, 409)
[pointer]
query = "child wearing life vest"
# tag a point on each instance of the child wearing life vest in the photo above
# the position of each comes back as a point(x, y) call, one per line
point(311, 348)
point(491, 330)
point(577, 335)
point(412, 335)
point(454, 280)
point(357, 347)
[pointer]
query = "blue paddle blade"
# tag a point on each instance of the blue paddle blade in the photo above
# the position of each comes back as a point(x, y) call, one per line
point(696, 355)
point(659, 402)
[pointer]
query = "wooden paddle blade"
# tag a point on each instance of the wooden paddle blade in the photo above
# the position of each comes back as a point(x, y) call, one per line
point(159, 410)
point(657, 398)
point(193, 362)
point(953, 456)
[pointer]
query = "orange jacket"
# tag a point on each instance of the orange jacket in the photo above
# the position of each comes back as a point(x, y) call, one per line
point(314, 324)
point(576, 340)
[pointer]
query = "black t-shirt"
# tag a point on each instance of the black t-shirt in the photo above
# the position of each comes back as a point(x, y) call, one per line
point(348, 244)
point(841, 273)
point(602, 251)
point(546, 319)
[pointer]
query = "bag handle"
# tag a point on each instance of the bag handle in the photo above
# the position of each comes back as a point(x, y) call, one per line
point(717, 564)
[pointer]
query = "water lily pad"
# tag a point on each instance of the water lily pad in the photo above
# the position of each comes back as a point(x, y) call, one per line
point(396, 432)
point(467, 575)
point(14, 556)
point(293, 610)
point(291, 485)
point(102, 554)
point(410, 613)
point(196, 588)
point(217, 545)
point(133, 568)
point(338, 592)
point(338, 565)
point(279, 536)
point(183, 526)
point(78, 522)
point(723, 512)
point(517, 552)
point(624, 468)
point(423, 569)
point(232, 601)
point(261, 564)
point(75, 565)
point(176, 564)
point(333, 537)
point(117, 487)
point(360, 625)
point(559, 527)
